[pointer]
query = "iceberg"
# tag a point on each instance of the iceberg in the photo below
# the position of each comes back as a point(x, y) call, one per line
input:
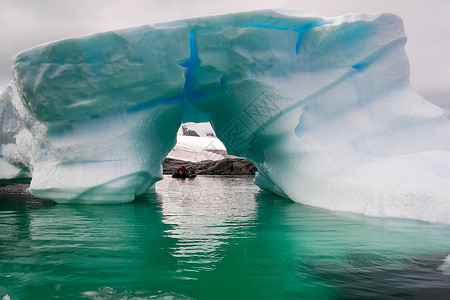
point(322, 107)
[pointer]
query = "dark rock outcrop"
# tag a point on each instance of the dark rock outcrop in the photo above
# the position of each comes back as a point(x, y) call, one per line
point(226, 166)
point(188, 131)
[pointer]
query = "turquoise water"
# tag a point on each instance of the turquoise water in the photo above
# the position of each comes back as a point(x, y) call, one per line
point(214, 238)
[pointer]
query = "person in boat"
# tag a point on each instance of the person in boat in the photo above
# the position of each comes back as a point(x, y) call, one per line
point(191, 171)
point(183, 169)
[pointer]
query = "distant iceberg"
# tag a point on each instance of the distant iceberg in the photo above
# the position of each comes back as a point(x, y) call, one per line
point(445, 267)
point(322, 106)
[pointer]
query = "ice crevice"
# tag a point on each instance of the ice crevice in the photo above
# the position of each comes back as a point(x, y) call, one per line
point(322, 106)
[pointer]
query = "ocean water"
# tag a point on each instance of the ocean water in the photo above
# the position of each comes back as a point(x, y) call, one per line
point(214, 238)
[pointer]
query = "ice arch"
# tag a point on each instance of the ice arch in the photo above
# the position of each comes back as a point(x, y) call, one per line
point(322, 106)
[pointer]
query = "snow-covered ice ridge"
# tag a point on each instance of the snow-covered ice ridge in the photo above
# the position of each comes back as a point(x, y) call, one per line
point(322, 106)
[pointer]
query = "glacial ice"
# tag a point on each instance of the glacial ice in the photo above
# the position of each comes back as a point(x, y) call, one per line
point(322, 106)
point(445, 267)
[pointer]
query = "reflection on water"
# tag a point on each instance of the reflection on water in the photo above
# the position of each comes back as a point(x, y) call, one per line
point(202, 215)
point(213, 238)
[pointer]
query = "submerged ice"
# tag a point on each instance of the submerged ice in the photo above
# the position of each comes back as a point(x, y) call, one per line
point(322, 106)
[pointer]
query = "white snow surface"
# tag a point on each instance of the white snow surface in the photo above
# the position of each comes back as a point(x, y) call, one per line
point(197, 149)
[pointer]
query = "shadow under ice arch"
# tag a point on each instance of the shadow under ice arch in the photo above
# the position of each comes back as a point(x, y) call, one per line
point(322, 106)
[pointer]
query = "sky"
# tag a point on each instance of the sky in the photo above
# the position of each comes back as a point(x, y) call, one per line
point(26, 23)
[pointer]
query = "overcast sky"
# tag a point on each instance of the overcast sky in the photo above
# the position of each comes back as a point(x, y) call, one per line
point(25, 23)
